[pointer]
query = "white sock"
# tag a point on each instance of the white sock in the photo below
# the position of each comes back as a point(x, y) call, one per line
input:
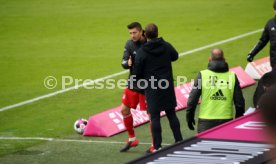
point(132, 139)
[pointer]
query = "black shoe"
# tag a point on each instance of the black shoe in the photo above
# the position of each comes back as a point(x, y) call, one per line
point(129, 144)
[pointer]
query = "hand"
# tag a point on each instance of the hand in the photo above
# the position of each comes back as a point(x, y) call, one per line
point(250, 58)
point(129, 62)
point(191, 123)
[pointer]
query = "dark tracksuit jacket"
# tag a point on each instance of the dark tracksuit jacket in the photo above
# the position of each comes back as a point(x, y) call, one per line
point(269, 34)
point(267, 79)
point(131, 49)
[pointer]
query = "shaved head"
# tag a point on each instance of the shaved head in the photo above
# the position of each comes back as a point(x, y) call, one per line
point(217, 55)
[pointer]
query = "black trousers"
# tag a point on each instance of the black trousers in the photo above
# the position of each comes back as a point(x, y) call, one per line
point(205, 124)
point(157, 130)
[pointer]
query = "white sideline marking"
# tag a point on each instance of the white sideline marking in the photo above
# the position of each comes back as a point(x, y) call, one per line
point(123, 72)
point(71, 140)
point(61, 91)
point(220, 42)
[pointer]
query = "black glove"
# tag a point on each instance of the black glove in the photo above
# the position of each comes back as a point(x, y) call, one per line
point(191, 123)
point(250, 57)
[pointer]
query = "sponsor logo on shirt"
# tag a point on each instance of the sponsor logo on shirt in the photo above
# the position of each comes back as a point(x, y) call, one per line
point(218, 96)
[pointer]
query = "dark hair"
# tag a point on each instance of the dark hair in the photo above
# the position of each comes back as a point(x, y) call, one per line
point(151, 31)
point(268, 80)
point(217, 54)
point(274, 5)
point(267, 105)
point(135, 25)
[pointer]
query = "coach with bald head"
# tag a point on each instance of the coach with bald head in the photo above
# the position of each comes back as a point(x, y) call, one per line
point(219, 89)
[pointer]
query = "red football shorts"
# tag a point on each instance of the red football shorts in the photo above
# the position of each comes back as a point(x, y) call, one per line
point(132, 99)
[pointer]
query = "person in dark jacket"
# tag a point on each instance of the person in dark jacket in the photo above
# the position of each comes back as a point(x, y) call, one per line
point(153, 64)
point(267, 105)
point(218, 89)
point(132, 94)
point(265, 82)
point(269, 34)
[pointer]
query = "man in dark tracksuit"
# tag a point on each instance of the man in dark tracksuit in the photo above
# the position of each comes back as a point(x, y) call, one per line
point(218, 89)
point(269, 34)
point(265, 82)
point(132, 94)
point(153, 64)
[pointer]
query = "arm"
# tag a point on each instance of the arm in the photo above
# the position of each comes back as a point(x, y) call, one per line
point(258, 92)
point(138, 65)
point(173, 52)
point(238, 99)
point(126, 57)
point(260, 45)
point(193, 101)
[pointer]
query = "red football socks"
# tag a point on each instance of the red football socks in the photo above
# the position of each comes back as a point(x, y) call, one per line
point(128, 121)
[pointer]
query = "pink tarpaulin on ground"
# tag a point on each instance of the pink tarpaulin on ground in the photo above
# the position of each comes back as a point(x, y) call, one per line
point(244, 79)
point(182, 93)
point(110, 122)
point(246, 128)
